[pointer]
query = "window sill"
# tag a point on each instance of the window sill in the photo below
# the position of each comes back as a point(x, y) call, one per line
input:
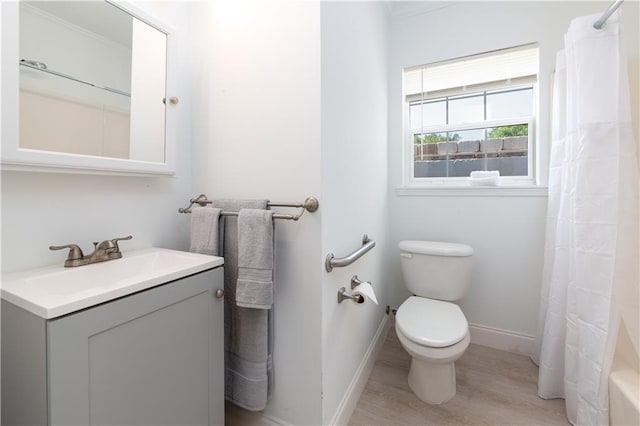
point(474, 191)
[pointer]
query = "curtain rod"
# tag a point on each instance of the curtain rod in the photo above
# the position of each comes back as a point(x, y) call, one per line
point(600, 23)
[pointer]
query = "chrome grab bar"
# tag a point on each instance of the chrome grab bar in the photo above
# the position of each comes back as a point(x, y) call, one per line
point(331, 262)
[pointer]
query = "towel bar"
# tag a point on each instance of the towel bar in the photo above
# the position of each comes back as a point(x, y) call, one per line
point(310, 204)
point(331, 262)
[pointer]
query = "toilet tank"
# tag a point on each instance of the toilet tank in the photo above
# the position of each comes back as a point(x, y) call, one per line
point(436, 270)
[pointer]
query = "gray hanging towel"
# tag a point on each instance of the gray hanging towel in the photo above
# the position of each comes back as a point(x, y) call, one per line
point(204, 230)
point(254, 288)
point(247, 332)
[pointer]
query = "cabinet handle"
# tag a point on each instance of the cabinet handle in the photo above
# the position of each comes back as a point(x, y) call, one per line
point(174, 100)
point(219, 293)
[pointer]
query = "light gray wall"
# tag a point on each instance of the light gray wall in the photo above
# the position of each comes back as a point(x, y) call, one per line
point(507, 233)
point(354, 181)
point(257, 135)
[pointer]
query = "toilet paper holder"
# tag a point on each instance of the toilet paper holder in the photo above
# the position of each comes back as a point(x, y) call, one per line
point(342, 293)
point(355, 282)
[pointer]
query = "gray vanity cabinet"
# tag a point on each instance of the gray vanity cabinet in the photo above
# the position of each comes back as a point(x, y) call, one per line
point(151, 358)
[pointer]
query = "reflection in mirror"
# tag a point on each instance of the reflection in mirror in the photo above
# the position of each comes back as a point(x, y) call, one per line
point(92, 81)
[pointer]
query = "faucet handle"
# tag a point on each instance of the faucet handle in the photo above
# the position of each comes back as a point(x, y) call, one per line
point(111, 245)
point(75, 252)
point(105, 245)
point(115, 241)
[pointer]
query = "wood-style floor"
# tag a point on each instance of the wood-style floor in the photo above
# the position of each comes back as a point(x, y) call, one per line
point(236, 416)
point(493, 388)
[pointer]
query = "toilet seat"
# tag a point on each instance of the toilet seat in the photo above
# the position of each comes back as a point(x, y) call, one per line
point(431, 323)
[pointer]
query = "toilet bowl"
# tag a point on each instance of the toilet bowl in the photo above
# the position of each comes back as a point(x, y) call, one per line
point(432, 329)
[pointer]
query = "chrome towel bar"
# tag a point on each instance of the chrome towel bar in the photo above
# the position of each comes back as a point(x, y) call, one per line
point(332, 262)
point(310, 204)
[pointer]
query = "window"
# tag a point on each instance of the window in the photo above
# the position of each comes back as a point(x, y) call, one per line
point(469, 114)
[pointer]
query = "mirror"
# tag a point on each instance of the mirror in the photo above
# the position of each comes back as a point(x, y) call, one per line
point(92, 83)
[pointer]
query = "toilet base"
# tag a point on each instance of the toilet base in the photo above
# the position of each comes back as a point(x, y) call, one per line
point(432, 376)
point(432, 383)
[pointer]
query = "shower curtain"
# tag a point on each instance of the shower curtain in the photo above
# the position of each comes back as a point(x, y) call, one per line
point(591, 248)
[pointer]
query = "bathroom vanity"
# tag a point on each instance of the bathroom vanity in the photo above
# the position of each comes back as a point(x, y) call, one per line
point(134, 341)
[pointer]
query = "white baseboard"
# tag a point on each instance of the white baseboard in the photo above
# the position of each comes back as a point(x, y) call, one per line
point(501, 339)
point(354, 390)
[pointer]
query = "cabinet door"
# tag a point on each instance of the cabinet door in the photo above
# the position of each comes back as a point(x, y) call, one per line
point(152, 358)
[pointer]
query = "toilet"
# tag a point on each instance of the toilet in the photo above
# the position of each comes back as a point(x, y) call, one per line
point(430, 327)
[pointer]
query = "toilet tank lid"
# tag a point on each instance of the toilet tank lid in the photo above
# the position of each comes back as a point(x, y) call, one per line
point(435, 248)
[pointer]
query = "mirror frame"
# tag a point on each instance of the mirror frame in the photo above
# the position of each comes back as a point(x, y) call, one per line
point(15, 158)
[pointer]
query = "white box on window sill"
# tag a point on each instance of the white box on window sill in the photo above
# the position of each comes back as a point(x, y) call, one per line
point(484, 178)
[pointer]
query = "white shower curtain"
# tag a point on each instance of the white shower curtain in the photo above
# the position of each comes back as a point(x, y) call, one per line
point(592, 237)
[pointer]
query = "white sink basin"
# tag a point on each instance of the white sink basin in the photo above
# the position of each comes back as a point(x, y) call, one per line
point(55, 291)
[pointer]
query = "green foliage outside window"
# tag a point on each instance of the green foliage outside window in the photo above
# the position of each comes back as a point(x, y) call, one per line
point(435, 138)
point(498, 132)
point(509, 131)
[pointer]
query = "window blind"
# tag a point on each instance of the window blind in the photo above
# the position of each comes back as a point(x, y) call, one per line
point(504, 65)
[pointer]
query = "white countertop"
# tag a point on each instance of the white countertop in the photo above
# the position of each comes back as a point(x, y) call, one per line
point(54, 291)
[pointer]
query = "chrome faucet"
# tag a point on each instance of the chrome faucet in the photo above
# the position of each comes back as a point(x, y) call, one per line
point(106, 250)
